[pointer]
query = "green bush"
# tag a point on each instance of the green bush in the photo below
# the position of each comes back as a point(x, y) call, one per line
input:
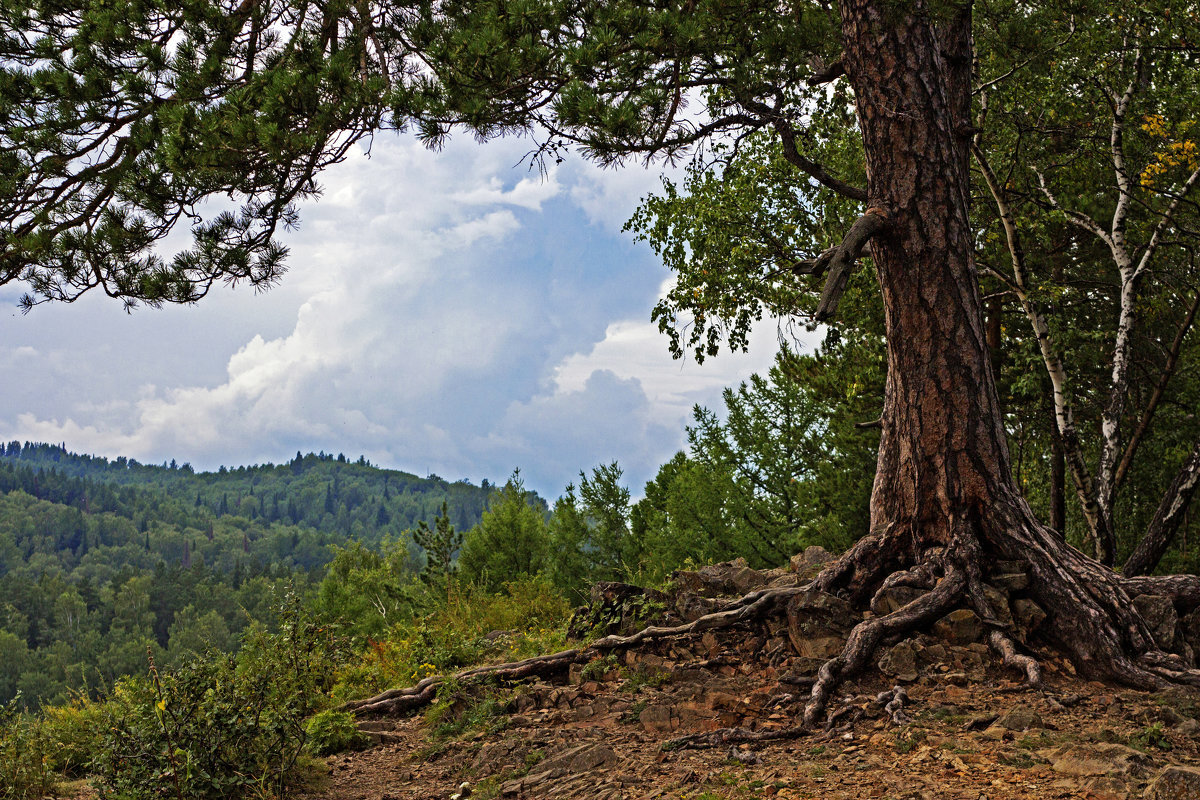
point(224, 727)
point(25, 772)
point(75, 732)
point(332, 732)
point(452, 631)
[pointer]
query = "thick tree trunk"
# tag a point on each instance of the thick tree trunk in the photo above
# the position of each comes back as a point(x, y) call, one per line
point(943, 454)
point(944, 496)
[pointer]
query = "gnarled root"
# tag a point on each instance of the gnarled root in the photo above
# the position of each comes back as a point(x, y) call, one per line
point(1008, 651)
point(1091, 617)
point(398, 701)
point(724, 736)
point(868, 634)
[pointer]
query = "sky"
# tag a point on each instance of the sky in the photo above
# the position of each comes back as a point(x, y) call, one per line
point(449, 313)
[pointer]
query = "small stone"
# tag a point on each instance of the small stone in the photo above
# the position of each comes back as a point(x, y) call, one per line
point(1175, 783)
point(900, 661)
point(980, 722)
point(656, 719)
point(959, 627)
point(813, 555)
point(1087, 760)
point(1189, 727)
point(1020, 718)
point(994, 733)
point(896, 598)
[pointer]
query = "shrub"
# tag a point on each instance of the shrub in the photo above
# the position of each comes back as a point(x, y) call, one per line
point(25, 772)
point(225, 727)
point(453, 632)
point(332, 732)
point(75, 732)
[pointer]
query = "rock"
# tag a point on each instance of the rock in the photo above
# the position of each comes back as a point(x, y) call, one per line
point(998, 600)
point(1189, 728)
point(691, 606)
point(728, 577)
point(813, 556)
point(1020, 718)
point(818, 624)
point(896, 598)
point(995, 733)
point(1088, 760)
point(900, 661)
point(1159, 615)
point(583, 758)
point(786, 581)
point(959, 627)
point(1028, 615)
point(1189, 629)
point(656, 719)
point(980, 722)
point(1010, 582)
point(1175, 783)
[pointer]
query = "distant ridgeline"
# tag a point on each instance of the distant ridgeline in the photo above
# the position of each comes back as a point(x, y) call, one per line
point(100, 558)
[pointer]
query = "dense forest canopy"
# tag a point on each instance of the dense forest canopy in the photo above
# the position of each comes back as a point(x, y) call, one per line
point(101, 559)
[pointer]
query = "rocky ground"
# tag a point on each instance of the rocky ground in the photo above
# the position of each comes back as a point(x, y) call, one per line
point(656, 721)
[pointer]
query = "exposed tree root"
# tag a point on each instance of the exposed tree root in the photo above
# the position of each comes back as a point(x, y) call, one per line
point(1090, 617)
point(1183, 589)
point(894, 701)
point(725, 736)
point(1008, 651)
point(868, 634)
point(398, 701)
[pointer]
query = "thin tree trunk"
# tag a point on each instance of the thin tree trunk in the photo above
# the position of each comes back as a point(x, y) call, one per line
point(1167, 518)
point(1058, 485)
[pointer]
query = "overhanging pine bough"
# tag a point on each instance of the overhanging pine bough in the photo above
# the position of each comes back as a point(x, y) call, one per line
point(614, 78)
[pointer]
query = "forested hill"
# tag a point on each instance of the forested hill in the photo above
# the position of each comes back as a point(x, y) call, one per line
point(100, 559)
point(321, 491)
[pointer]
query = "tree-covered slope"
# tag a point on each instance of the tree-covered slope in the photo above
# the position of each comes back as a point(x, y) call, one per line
point(101, 561)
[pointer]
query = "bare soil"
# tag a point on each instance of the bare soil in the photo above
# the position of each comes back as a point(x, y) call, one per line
point(606, 731)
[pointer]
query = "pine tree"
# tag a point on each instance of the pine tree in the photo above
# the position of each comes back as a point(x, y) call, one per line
point(440, 544)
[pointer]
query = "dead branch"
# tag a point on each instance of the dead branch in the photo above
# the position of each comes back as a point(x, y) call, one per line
point(839, 260)
point(828, 74)
point(724, 736)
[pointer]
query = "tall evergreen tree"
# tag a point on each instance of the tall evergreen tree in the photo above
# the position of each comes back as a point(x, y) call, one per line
point(441, 544)
point(510, 541)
